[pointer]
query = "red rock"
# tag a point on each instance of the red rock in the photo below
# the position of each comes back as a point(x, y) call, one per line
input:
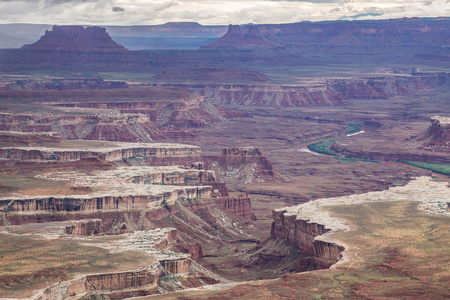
point(85, 228)
point(302, 233)
point(240, 205)
point(176, 266)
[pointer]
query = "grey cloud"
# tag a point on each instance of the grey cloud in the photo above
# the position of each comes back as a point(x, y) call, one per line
point(118, 9)
point(164, 6)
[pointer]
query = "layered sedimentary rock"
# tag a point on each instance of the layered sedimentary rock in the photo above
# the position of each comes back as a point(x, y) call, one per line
point(302, 233)
point(310, 227)
point(239, 206)
point(101, 282)
point(120, 200)
point(85, 228)
point(176, 177)
point(111, 152)
point(230, 167)
point(331, 91)
point(176, 266)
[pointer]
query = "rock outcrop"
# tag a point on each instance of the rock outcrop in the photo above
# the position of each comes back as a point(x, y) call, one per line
point(85, 228)
point(103, 201)
point(310, 227)
point(110, 152)
point(302, 233)
point(437, 136)
point(76, 39)
point(101, 282)
point(239, 206)
point(176, 266)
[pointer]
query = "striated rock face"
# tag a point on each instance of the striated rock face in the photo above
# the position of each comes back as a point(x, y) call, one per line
point(85, 228)
point(239, 206)
point(302, 233)
point(114, 152)
point(101, 282)
point(310, 227)
point(76, 39)
point(176, 266)
point(101, 201)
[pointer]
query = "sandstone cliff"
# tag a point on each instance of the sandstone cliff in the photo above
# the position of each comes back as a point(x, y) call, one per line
point(110, 152)
point(311, 228)
point(101, 282)
point(437, 136)
point(302, 233)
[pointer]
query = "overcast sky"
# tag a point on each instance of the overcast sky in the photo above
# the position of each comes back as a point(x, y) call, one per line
point(209, 12)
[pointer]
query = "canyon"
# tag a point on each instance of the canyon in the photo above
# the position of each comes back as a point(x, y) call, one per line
point(278, 161)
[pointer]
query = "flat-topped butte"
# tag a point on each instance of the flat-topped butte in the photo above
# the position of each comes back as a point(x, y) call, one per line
point(105, 150)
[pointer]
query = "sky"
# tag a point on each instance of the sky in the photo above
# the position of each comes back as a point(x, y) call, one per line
point(211, 12)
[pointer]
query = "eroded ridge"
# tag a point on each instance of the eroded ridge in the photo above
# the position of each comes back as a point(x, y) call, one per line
point(312, 229)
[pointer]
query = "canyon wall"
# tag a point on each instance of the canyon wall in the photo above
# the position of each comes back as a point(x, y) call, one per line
point(302, 233)
point(330, 92)
point(101, 282)
point(238, 206)
point(176, 266)
point(100, 201)
point(111, 153)
point(85, 228)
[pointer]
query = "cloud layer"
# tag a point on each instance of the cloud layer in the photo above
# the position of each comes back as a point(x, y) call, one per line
point(135, 12)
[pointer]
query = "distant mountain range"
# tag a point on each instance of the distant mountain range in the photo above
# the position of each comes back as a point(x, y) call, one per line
point(175, 35)
point(301, 43)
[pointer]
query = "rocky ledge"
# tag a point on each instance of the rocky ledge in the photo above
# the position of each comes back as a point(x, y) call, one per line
point(109, 152)
point(311, 228)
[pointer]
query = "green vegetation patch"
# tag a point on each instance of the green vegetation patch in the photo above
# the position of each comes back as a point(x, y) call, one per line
point(435, 167)
point(353, 127)
point(322, 147)
point(351, 160)
point(313, 140)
